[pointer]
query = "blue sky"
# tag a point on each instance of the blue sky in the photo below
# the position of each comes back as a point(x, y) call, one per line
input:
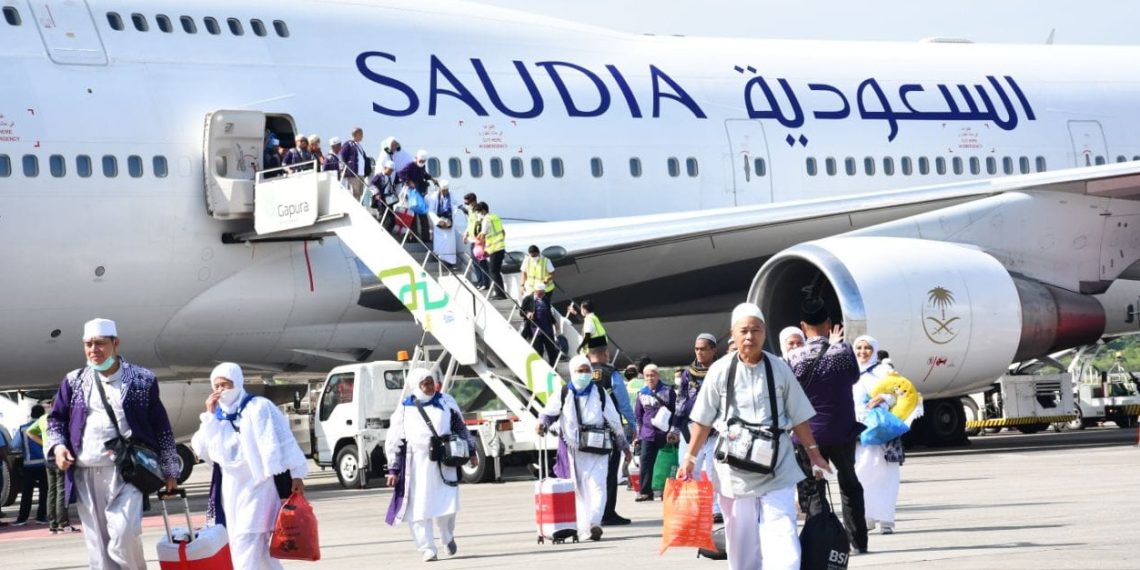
point(990, 21)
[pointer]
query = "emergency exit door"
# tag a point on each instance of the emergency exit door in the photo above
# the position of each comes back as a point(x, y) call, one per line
point(1089, 147)
point(68, 32)
point(750, 163)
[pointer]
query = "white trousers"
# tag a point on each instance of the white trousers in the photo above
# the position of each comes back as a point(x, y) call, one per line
point(705, 463)
point(880, 479)
point(589, 473)
point(424, 537)
point(251, 551)
point(111, 513)
point(771, 543)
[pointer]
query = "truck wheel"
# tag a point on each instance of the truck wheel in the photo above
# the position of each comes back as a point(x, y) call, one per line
point(348, 467)
point(186, 463)
point(7, 485)
point(481, 473)
point(970, 408)
point(1071, 425)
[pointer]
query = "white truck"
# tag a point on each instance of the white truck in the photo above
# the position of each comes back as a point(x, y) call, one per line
point(1103, 395)
point(1026, 402)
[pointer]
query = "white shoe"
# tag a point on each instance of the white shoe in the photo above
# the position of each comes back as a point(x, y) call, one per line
point(888, 528)
point(430, 556)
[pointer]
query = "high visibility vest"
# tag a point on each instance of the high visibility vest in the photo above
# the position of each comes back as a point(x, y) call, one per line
point(600, 331)
point(493, 230)
point(536, 274)
point(472, 223)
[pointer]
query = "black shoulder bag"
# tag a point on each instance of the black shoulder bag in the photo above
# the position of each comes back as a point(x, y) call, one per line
point(136, 462)
point(449, 449)
point(745, 445)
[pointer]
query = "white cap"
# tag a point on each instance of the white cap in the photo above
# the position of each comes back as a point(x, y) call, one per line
point(443, 185)
point(96, 328)
point(334, 141)
point(745, 310)
point(388, 164)
point(421, 154)
point(302, 137)
point(314, 139)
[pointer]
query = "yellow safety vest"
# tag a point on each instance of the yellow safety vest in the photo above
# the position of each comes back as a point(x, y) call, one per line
point(472, 223)
point(493, 230)
point(599, 330)
point(535, 269)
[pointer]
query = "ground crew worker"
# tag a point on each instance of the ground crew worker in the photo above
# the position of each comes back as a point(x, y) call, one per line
point(470, 236)
point(592, 327)
point(495, 244)
point(537, 273)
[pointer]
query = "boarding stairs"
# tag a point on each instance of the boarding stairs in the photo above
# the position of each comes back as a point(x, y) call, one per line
point(476, 331)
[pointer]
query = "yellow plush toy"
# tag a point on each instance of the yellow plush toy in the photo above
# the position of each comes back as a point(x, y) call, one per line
point(908, 402)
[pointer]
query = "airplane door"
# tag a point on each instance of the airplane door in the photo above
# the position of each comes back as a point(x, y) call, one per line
point(751, 178)
point(336, 414)
point(68, 32)
point(1089, 147)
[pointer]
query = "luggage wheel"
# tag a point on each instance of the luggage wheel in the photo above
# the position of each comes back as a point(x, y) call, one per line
point(540, 540)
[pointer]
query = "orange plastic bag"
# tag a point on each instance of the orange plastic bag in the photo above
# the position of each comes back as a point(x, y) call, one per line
point(295, 535)
point(688, 514)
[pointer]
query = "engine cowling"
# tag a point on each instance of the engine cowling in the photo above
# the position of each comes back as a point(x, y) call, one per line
point(951, 316)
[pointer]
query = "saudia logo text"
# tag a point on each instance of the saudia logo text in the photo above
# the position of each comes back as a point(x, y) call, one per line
point(290, 210)
point(941, 316)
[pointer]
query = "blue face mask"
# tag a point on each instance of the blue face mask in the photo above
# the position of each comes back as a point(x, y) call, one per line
point(107, 364)
point(581, 380)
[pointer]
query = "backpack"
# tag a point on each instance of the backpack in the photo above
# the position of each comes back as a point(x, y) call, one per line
point(823, 541)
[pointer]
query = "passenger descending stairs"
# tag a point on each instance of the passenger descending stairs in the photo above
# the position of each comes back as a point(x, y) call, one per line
point(476, 331)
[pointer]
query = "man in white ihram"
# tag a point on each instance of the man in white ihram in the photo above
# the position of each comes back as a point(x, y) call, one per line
point(79, 427)
point(759, 509)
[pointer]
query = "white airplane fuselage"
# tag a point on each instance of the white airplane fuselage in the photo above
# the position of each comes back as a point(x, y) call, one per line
point(746, 121)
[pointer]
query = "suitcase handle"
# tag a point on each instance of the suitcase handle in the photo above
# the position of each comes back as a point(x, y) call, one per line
point(162, 498)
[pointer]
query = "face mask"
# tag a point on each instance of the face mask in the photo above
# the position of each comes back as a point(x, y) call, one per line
point(229, 397)
point(107, 364)
point(581, 380)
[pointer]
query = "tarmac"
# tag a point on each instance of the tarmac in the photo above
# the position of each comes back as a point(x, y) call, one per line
point(1042, 501)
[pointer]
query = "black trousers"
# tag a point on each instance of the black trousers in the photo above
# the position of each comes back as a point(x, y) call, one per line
point(495, 261)
point(421, 226)
point(33, 478)
point(811, 492)
point(543, 343)
point(611, 485)
point(648, 458)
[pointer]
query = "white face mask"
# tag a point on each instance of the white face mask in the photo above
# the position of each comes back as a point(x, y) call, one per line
point(229, 397)
point(581, 380)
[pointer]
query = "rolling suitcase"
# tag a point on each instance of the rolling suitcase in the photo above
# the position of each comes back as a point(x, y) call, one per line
point(184, 549)
point(554, 507)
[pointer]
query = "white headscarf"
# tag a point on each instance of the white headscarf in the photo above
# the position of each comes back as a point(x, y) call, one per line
point(874, 352)
point(576, 363)
point(233, 373)
point(786, 334)
point(412, 382)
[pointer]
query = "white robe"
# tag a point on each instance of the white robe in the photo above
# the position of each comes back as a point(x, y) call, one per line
point(879, 477)
point(265, 446)
point(426, 496)
point(443, 239)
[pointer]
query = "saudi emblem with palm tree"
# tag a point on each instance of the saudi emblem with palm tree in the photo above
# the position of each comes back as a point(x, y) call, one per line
point(939, 326)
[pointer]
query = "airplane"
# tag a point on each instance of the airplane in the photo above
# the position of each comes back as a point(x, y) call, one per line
point(920, 187)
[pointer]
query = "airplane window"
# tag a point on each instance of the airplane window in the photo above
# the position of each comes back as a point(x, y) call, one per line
point(888, 166)
point(281, 28)
point(1136, 157)
point(1099, 160)
point(691, 167)
point(557, 168)
point(164, 23)
point(160, 168)
point(258, 28)
point(83, 166)
point(991, 165)
point(1023, 163)
point(536, 167)
point(923, 165)
point(140, 22)
point(812, 170)
point(829, 165)
point(31, 166)
point(433, 166)
point(5, 166)
point(674, 166)
point(635, 167)
point(849, 165)
point(134, 166)
point(940, 165)
point(869, 166)
point(188, 25)
point(114, 19)
point(110, 166)
point(1041, 164)
point(975, 165)
point(454, 167)
point(475, 165)
point(212, 26)
point(596, 167)
point(57, 165)
point(1121, 158)
point(497, 167)
point(12, 16)
point(516, 167)
point(958, 165)
point(1007, 165)
point(235, 27)
point(760, 167)
point(907, 165)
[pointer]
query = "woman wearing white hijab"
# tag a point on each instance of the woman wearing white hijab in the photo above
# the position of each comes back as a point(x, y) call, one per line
point(248, 440)
point(876, 465)
point(791, 338)
point(424, 491)
point(587, 469)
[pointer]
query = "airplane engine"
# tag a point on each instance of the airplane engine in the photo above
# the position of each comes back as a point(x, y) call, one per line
point(951, 316)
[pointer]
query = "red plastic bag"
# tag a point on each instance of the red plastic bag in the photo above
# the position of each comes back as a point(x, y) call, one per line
point(295, 535)
point(688, 514)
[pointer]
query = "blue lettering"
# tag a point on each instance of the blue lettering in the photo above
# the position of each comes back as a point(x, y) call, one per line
point(679, 95)
point(634, 108)
point(536, 105)
point(459, 92)
point(572, 109)
point(413, 100)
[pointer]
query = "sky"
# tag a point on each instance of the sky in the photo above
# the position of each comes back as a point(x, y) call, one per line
point(1114, 22)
